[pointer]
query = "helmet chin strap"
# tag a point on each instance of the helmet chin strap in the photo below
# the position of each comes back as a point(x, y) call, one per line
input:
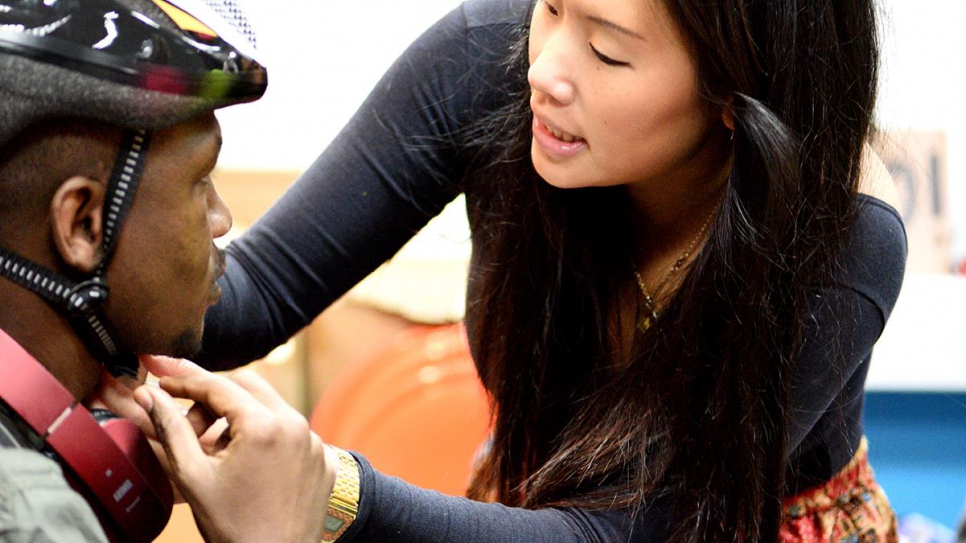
point(82, 303)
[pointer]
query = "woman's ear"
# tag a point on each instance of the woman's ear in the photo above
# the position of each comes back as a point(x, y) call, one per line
point(728, 115)
point(76, 215)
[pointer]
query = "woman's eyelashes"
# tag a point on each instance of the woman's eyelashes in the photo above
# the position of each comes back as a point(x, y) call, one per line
point(606, 59)
point(552, 10)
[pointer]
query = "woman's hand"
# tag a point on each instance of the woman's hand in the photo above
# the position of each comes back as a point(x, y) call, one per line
point(257, 473)
point(117, 395)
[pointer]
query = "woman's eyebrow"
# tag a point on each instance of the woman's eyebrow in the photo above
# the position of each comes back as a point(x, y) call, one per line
point(610, 25)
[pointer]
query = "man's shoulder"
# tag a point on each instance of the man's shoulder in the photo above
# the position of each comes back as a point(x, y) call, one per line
point(20, 466)
point(37, 503)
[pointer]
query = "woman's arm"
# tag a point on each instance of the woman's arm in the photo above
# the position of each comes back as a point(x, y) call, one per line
point(392, 511)
point(269, 477)
point(393, 167)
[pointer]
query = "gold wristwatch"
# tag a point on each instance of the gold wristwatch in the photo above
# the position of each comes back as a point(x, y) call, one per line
point(344, 503)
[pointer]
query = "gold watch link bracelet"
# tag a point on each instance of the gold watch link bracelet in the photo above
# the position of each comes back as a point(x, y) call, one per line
point(344, 503)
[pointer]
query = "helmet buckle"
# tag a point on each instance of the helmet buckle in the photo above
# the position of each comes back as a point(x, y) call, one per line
point(87, 297)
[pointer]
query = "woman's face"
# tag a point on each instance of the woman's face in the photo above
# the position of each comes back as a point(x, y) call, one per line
point(614, 93)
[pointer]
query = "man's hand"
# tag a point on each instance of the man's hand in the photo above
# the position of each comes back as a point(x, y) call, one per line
point(260, 474)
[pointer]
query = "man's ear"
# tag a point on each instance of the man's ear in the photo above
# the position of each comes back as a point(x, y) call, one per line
point(76, 215)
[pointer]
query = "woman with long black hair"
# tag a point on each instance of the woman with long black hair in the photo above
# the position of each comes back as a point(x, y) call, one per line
point(682, 257)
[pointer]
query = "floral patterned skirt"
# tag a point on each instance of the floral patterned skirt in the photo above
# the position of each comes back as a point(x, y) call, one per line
point(849, 508)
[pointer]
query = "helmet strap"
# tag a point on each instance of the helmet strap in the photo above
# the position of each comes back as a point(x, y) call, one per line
point(82, 303)
point(128, 167)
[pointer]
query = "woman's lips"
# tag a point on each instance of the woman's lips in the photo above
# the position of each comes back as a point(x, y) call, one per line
point(556, 142)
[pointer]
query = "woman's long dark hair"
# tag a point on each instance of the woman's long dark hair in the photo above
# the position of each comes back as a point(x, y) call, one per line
point(698, 412)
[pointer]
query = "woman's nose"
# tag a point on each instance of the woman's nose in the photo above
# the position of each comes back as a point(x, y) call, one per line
point(549, 73)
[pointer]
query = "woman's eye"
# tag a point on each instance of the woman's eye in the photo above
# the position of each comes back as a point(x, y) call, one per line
point(550, 8)
point(607, 60)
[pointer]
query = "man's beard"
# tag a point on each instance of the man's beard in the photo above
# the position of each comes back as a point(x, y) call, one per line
point(188, 344)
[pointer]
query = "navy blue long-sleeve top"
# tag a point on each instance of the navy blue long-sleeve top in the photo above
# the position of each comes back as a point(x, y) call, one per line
point(394, 166)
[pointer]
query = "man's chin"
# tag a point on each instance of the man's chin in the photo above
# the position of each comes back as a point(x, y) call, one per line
point(188, 345)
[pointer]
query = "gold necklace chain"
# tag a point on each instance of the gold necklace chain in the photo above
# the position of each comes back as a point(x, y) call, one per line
point(678, 264)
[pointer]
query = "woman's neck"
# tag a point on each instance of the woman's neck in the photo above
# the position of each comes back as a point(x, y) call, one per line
point(672, 221)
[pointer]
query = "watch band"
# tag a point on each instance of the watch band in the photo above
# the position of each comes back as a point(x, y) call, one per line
point(344, 503)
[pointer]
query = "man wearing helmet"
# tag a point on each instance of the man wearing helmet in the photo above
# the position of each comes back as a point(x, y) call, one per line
point(107, 221)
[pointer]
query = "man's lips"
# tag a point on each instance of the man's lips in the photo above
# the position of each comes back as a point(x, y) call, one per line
point(220, 264)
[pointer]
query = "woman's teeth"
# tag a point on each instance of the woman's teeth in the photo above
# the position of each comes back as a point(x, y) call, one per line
point(562, 136)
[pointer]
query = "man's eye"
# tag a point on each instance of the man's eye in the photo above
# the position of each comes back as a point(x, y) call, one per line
point(607, 60)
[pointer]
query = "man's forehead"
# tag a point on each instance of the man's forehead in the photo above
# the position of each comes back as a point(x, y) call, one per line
point(202, 130)
point(188, 150)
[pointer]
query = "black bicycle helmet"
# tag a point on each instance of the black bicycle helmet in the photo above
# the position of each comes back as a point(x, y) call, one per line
point(139, 64)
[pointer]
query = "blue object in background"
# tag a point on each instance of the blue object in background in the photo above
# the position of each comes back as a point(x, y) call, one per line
point(917, 447)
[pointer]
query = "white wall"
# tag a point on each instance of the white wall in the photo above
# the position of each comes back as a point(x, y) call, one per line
point(323, 58)
point(923, 83)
